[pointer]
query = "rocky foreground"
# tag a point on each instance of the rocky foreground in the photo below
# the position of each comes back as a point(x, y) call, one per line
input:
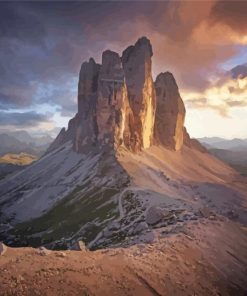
point(204, 259)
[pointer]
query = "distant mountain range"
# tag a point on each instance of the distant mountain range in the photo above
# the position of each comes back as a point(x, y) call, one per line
point(233, 152)
point(18, 149)
point(221, 143)
point(22, 141)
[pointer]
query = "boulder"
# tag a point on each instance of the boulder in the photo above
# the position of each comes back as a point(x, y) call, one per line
point(42, 251)
point(79, 246)
point(3, 248)
point(61, 254)
point(142, 226)
point(154, 215)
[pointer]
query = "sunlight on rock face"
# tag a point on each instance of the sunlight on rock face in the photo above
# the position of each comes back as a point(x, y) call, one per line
point(122, 133)
point(148, 119)
point(178, 137)
point(117, 104)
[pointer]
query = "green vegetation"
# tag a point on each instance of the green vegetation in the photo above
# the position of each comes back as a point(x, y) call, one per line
point(84, 204)
point(3, 175)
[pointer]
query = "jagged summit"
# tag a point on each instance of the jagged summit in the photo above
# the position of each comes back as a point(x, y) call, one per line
point(119, 105)
point(142, 44)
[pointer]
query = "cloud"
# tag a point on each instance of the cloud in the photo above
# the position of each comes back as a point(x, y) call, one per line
point(239, 71)
point(204, 103)
point(61, 94)
point(191, 45)
point(236, 103)
point(24, 119)
point(18, 21)
point(223, 94)
point(37, 51)
point(231, 13)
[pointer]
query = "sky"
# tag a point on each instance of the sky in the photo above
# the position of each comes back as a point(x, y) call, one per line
point(203, 43)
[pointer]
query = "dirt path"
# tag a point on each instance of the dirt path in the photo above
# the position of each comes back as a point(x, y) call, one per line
point(208, 258)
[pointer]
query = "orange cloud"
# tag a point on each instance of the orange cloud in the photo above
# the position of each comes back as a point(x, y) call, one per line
point(221, 96)
point(190, 38)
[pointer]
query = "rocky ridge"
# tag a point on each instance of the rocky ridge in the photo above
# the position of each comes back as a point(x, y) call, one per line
point(119, 104)
point(115, 192)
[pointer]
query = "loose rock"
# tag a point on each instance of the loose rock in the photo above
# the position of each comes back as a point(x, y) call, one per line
point(3, 248)
point(79, 246)
point(42, 251)
point(206, 212)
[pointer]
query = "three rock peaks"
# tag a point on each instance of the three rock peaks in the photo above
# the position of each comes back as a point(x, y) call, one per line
point(119, 104)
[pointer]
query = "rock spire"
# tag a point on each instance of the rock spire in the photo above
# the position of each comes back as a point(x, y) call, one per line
point(119, 105)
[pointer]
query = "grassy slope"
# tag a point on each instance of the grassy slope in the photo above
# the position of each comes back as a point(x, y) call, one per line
point(69, 215)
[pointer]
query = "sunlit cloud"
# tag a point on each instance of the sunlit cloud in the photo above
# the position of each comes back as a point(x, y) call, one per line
point(221, 96)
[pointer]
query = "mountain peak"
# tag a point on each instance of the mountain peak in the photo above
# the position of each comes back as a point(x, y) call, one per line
point(145, 42)
point(119, 105)
point(166, 78)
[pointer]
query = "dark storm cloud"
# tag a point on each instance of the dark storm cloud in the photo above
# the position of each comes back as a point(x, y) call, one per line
point(18, 21)
point(239, 71)
point(37, 49)
point(25, 119)
point(231, 13)
point(44, 43)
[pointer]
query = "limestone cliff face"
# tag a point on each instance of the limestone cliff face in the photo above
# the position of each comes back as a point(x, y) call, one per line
point(110, 100)
point(119, 105)
point(170, 113)
point(116, 101)
point(84, 129)
point(137, 67)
